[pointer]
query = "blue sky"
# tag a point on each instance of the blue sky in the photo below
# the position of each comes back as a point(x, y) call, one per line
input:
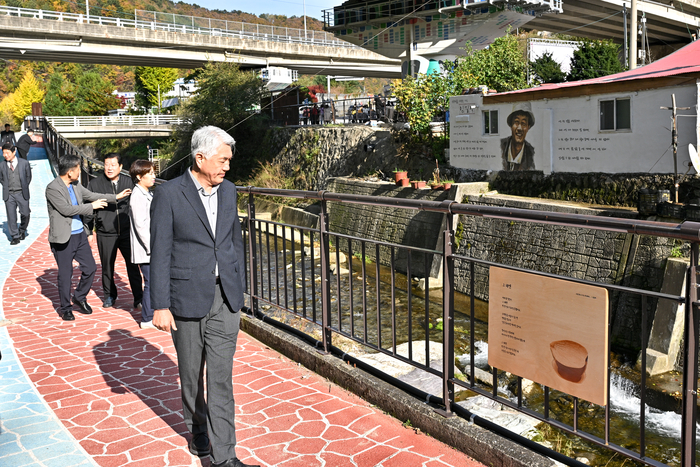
point(280, 7)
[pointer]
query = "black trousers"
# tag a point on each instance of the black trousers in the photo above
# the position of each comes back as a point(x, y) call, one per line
point(107, 245)
point(15, 201)
point(79, 249)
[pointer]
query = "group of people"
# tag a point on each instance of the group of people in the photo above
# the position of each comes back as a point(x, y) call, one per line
point(188, 230)
point(316, 114)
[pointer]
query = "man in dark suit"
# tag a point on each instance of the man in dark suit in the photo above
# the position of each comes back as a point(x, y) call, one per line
point(197, 285)
point(7, 136)
point(15, 176)
point(517, 153)
point(112, 229)
point(24, 143)
point(67, 237)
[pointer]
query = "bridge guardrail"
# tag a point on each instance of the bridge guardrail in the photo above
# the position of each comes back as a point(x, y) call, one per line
point(115, 120)
point(197, 25)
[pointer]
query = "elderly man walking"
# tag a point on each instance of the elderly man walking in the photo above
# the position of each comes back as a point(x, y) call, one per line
point(15, 176)
point(197, 286)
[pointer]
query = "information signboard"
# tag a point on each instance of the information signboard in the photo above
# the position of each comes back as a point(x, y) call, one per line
point(550, 331)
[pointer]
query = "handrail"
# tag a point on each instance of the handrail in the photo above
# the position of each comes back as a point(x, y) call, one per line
point(213, 27)
point(115, 120)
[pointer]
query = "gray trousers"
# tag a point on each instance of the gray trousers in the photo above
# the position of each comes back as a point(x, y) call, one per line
point(16, 200)
point(210, 340)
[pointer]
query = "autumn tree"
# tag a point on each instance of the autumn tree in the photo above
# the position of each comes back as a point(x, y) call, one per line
point(20, 102)
point(151, 84)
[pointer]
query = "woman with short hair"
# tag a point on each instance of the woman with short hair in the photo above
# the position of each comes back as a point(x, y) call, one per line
point(143, 174)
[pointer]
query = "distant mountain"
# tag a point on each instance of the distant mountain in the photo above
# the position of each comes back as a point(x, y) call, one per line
point(125, 9)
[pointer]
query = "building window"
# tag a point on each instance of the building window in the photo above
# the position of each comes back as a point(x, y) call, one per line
point(490, 122)
point(615, 115)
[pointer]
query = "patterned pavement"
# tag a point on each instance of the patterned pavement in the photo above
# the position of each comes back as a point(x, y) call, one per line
point(101, 391)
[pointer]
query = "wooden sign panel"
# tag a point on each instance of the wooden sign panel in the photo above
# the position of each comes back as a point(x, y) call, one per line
point(550, 331)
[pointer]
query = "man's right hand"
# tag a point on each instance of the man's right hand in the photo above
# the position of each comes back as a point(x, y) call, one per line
point(163, 320)
point(99, 204)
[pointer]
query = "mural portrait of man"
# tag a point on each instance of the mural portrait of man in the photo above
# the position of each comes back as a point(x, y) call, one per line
point(517, 153)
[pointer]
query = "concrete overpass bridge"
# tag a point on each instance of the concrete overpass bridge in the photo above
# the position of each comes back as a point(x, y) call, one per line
point(180, 42)
point(117, 126)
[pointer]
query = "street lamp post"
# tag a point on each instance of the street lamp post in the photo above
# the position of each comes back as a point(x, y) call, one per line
point(304, 3)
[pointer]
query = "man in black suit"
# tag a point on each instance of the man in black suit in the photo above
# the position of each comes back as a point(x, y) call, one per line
point(197, 285)
point(7, 136)
point(24, 143)
point(15, 176)
point(112, 229)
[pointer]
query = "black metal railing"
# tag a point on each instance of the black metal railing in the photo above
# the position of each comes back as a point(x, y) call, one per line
point(295, 269)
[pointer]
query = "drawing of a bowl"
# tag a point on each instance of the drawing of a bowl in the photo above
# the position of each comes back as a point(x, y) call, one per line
point(570, 360)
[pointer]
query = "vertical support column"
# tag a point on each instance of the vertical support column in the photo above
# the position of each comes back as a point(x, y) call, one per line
point(409, 51)
point(633, 36)
point(325, 277)
point(448, 357)
point(690, 363)
point(251, 255)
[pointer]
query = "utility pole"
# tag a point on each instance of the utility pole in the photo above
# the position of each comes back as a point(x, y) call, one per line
point(304, 3)
point(674, 142)
point(633, 36)
point(87, 10)
point(626, 44)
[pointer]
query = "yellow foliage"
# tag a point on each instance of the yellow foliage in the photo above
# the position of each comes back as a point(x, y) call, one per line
point(28, 92)
point(6, 108)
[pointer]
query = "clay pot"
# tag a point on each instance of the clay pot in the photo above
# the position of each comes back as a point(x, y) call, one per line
point(436, 186)
point(404, 182)
point(418, 184)
point(401, 174)
point(446, 186)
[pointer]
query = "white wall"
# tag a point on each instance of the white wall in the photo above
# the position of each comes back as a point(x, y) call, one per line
point(567, 138)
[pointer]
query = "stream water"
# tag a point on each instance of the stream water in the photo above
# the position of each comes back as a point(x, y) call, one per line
point(293, 278)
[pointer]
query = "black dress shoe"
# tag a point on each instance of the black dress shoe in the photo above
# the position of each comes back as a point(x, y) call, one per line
point(68, 316)
point(109, 302)
point(14, 241)
point(22, 235)
point(200, 445)
point(235, 462)
point(83, 306)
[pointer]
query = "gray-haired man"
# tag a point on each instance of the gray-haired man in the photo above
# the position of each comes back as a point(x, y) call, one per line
point(197, 286)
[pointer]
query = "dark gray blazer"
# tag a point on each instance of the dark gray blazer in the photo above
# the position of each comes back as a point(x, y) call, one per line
point(62, 210)
point(184, 250)
point(25, 177)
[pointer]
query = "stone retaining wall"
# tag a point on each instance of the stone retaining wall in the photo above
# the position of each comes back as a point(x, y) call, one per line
point(605, 257)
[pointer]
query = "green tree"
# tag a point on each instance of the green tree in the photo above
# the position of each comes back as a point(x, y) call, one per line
point(501, 66)
point(547, 70)
point(151, 84)
point(594, 59)
point(94, 95)
point(227, 98)
point(59, 96)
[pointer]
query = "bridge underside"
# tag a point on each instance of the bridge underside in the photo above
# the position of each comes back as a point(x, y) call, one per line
point(55, 41)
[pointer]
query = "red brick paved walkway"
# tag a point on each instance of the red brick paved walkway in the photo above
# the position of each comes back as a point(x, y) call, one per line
point(115, 387)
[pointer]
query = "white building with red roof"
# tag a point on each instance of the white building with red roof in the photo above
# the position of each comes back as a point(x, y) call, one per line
point(612, 124)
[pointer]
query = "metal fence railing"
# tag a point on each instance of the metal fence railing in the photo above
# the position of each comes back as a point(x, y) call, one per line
point(294, 271)
point(188, 25)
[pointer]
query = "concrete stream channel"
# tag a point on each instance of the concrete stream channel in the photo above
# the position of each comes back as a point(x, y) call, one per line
point(291, 274)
